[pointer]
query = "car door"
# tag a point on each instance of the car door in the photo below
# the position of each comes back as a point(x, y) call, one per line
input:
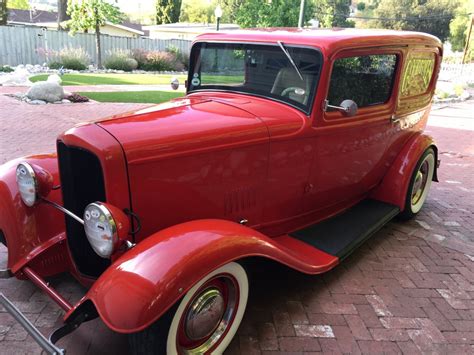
point(351, 152)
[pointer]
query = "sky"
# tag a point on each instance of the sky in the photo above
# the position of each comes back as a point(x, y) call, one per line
point(137, 6)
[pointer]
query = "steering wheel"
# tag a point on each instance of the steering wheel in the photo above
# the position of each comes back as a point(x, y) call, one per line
point(295, 89)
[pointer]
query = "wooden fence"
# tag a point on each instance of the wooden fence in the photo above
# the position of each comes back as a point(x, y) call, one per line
point(457, 72)
point(20, 45)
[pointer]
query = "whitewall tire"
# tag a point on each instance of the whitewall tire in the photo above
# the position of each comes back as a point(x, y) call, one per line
point(420, 184)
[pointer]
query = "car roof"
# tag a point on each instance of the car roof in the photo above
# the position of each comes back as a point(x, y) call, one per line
point(328, 40)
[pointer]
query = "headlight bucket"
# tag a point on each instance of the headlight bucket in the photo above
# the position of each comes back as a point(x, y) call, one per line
point(106, 228)
point(33, 182)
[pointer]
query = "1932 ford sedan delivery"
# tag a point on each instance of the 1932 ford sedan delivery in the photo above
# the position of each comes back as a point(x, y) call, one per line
point(294, 146)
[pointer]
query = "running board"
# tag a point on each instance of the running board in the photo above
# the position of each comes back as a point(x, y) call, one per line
point(342, 234)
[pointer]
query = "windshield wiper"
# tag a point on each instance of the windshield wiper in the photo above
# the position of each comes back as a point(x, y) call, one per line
point(282, 46)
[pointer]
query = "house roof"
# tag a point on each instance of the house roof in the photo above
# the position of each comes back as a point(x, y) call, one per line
point(33, 16)
point(46, 18)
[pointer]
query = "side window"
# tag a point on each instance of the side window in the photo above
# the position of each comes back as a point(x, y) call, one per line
point(418, 74)
point(367, 80)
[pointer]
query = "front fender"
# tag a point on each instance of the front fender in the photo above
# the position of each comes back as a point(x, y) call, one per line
point(147, 280)
point(394, 186)
point(34, 235)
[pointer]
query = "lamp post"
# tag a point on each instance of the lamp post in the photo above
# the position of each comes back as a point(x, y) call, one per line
point(218, 14)
point(301, 17)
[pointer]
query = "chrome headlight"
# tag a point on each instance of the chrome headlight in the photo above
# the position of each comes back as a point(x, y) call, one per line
point(101, 229)
point(27, 183)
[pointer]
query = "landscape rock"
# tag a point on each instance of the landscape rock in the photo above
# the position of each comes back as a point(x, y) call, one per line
point(46, 91)
point(37, 102)
point(19, 77)
point(54, 78)
point(65, 101)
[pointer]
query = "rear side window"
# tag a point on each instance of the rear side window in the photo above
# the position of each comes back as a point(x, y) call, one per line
point(418, 74)
point(367, 80)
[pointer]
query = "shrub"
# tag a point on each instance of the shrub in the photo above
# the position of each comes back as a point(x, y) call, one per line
point(74, 58)
point(68, 58)
point(75, 97)
point(458, 89)
point(185, 60)
point(120, 60)
point(162, 61)
point(55, 65)
point(6, 69)
point(442, 94)
point(139, 55)
point(181, 57)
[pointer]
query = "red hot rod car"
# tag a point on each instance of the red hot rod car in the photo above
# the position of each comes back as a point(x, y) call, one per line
point(290, 145)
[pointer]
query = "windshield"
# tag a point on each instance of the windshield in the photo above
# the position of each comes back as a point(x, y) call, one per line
point(263, 70)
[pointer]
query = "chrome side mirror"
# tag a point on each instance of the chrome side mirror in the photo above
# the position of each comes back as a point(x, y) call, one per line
point(174, 83)
point(348, 107)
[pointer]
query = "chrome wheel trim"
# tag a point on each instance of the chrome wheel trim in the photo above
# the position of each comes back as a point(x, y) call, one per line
point(236, 272)
point(205, 314)
point(209, 316)
point(422, 183)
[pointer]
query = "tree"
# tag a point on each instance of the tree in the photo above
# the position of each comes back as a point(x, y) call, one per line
point(3, 12)
point(62, 13)
point(19, 4)
point(167, 11)
point(230, 9)
point(430, 16)
point(92, 15)
point(277, 13)
point(198, 11)
point(459, 26)
point(333, 13)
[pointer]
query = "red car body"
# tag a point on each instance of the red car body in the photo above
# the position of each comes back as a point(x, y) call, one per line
point(195, 167)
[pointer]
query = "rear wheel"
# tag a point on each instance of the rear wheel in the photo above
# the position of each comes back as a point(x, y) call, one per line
point(419, 185)
point(204, 321)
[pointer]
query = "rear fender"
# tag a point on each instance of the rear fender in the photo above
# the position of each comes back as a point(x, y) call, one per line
point(34, 235)
point(394, 186)
point(147, 280)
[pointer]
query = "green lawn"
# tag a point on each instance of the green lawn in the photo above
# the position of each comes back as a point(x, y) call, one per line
point(222, 79)
point(113, 79)
point(148, 97)
point(136, 79)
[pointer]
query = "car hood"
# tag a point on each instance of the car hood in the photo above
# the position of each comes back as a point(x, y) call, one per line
point(184, 126)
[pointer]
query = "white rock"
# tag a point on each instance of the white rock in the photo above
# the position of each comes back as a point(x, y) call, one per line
point(54, 78)
point(66, 101)
point(46, 91)
point(17, 78)
point(37, 102)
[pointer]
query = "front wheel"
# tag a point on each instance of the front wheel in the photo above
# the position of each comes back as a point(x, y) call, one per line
point(419, 185)
point(204, 321)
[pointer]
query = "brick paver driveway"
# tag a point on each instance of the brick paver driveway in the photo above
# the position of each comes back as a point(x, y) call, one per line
point(409, 289)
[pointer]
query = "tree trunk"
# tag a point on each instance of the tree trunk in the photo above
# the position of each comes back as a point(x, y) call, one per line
point(98, 46)
point(3, 12)
point(62, 12)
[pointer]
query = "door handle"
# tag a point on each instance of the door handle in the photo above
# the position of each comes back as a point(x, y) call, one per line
point(394, 119)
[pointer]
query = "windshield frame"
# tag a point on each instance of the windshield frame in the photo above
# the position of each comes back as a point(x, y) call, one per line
point(194, 59)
